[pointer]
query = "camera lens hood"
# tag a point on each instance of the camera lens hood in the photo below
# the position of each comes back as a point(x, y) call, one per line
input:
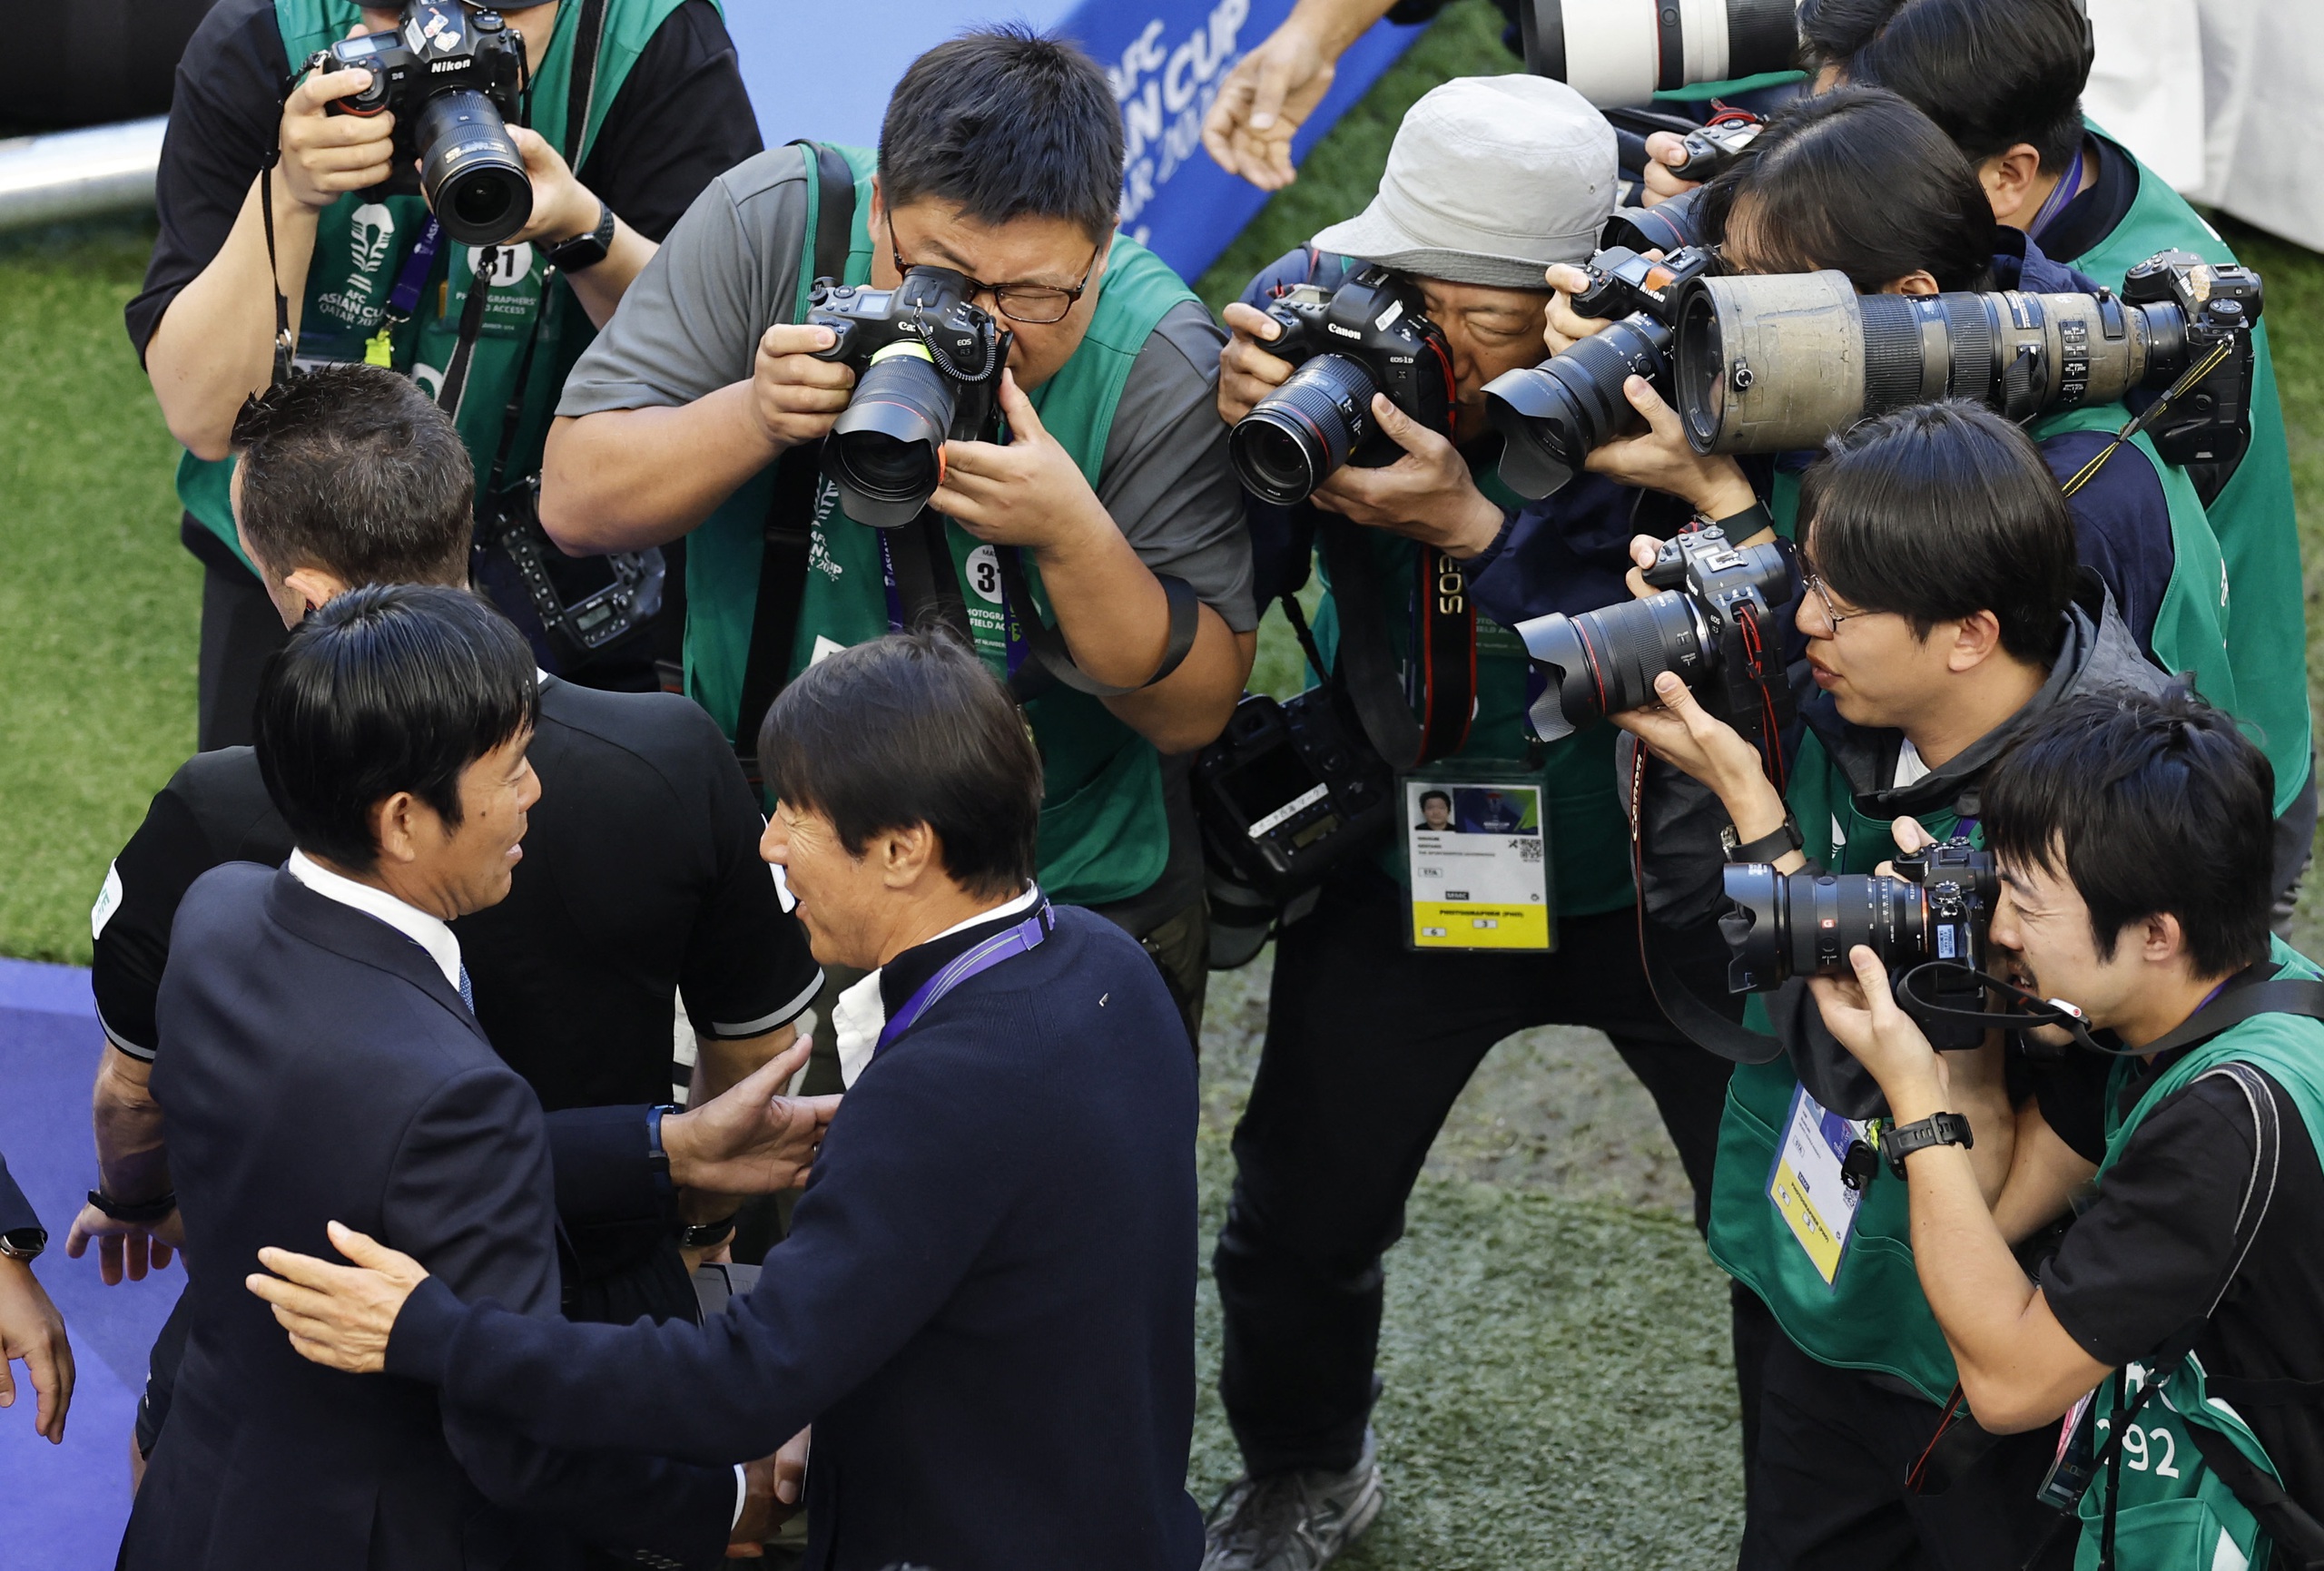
point(886, 450)
point(470, 170)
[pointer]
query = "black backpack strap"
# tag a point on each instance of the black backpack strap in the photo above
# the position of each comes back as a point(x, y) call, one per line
point(2297, 1535)
point(790, 515)
point(2269, 995)
point(586, 36)
point(1367, 659)
point(1052, 662)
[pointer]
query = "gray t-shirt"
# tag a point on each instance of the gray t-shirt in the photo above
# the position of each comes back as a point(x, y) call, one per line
point(691, 324)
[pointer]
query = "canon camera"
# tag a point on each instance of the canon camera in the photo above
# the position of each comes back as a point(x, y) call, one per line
point(1368, 335)
point(1937, 908)
point(453, 78)
point(928, 364)
point(1714, 624)
point(1552, 415)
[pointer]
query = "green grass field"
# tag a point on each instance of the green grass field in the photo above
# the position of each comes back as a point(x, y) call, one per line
point(1558, 1389)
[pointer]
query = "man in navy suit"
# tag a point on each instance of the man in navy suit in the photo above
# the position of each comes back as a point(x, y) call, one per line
point(986, 1302)
point(325, 1063)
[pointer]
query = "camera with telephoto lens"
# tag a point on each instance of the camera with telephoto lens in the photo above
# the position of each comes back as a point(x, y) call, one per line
point(1714, 624)
point(1368, 335)
point(1623, 52)
point(453, 78)
point(1937, 908)
point(1773, 363)
point(1552, 415)
point(928, 364)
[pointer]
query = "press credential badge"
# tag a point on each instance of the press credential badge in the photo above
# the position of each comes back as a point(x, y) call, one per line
point(1479, 865)
point(1807, 1186)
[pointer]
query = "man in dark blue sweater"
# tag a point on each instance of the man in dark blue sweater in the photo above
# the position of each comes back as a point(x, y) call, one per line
point(986, 1303)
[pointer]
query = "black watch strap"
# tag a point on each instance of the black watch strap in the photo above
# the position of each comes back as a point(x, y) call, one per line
point(140, 1210)
point(585, 250)
point(1776, 843)
point(1936, 1129)
point(706, 1234)
point(24, 1243)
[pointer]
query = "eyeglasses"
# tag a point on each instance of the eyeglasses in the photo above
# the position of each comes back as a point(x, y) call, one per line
point(1832, 613)
point(1033, 305)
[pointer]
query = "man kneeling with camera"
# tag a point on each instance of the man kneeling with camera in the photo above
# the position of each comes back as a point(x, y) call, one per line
point(2174, 1329)
point(1942, 614)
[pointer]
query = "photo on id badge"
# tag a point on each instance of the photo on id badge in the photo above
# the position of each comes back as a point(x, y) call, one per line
point(1478, 855)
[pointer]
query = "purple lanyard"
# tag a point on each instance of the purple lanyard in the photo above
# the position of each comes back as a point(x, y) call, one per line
point(413, 276)
point(1022, 939)
point(2067, 189)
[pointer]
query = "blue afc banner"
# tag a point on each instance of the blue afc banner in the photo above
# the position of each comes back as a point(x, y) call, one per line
point(1165, 59)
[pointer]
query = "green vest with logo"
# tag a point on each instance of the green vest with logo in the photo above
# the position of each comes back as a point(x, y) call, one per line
point(2253, 516)
point(361, 245)
point(2172, 1512)
point(1872, 1315)
point(1104, 833)
point(1587, 832)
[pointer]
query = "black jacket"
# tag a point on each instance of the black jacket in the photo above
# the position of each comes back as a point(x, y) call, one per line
point(321, 1068)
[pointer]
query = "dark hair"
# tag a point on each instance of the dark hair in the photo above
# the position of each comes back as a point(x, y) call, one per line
point(1938, 512)
point(912, 729)
point(355, 470)
point(388, 688)
point(1426, 797)
point(1992, 74)
point(2151, 805)
point(1005, 122)
point(1860, 181)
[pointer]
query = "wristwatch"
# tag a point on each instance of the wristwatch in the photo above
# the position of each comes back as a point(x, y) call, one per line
point(1936, 1129)
point(707, 1234)
point(1779, 842)
point(24, 1243)
point(657, 1158)
point(135, 1211)
point(585, 251)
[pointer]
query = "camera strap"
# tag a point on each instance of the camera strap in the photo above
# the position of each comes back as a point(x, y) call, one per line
point(1443, 659)
point(285, 349)
point(1052, 662)
point(2147, 416)
point(787, 530)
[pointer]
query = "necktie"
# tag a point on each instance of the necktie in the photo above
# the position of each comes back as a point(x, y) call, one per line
point(468, 994)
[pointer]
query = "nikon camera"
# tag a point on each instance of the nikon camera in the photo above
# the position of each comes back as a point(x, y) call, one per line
point(1552, 415)
point(1938, 908)
point(1367, 337)
point(928, 364)
point(1769, 364)
point(1714, 624)
point(453, 78)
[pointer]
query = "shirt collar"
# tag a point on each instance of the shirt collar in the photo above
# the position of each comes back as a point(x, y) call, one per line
point(861, 1012)
point(422, 927)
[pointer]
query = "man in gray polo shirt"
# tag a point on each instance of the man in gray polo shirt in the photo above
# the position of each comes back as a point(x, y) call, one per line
point(999, 158)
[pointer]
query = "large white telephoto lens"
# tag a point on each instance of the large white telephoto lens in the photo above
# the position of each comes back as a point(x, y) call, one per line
point(1616, 53)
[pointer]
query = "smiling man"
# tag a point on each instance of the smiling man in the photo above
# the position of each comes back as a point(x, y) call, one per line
point(702, 406)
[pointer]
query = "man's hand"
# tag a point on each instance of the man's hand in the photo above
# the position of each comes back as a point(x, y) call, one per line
point(1562, 325)
point(130, 1248)
point(31, 1329)
point(1263, 102)
point(1680, 730)
point(1426, 495)
point(327, 155)
point(1665, 149)
point(1246, 372)
point(1863, 1015)
point(563, 208)
point(339, 1316)
point(796, 396)
point(1664, 460)
point(752, 1140)
point(1029, 493)
point(772, 1488)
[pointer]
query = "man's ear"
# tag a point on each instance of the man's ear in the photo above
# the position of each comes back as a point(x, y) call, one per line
point(316, 586)
point(906, 854)
point(395, 826)
point(1920, 282)
point(2159, 936)
point(2007, 176)
point(1976, 638)
point(879, 207)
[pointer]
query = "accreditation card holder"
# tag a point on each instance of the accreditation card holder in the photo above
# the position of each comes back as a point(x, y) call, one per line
point(1815, 1183)
point(1477, 849)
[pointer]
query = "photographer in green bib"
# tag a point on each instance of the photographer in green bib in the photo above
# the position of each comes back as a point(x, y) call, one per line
point(627, 109)
point(1942, 611)
point(1096, 552)
point(2174, 1329)
point(2004, 83)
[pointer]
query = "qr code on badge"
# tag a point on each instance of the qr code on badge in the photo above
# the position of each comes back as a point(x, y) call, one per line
point(1529, 850)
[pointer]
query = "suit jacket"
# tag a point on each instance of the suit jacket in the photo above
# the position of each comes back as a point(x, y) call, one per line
point(985, 1303)
point(321, 1068)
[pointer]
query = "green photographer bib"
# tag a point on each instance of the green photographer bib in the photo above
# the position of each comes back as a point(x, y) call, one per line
point(2171, 1512)
point(1871, 1314)
point(1104, 833)
point(2266, 620)
point(361, 246)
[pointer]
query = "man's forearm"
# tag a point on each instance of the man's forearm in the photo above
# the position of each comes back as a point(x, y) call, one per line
point(215, 345)
point(1336, 24)
point(722, 1063)
point(132, 1164)
point(625, 479)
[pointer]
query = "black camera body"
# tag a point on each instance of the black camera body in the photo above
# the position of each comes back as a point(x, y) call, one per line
point(2210, 423)
point(1552, 415)
point(928, 363)
point(1368, 335)
point(1714, 624)
point(1939, 908)
point(1288, 791)
point(453, 78)
point(1719, 146)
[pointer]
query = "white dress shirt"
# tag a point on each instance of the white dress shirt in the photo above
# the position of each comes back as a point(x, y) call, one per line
point(859, 1014)
point(428, 932)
